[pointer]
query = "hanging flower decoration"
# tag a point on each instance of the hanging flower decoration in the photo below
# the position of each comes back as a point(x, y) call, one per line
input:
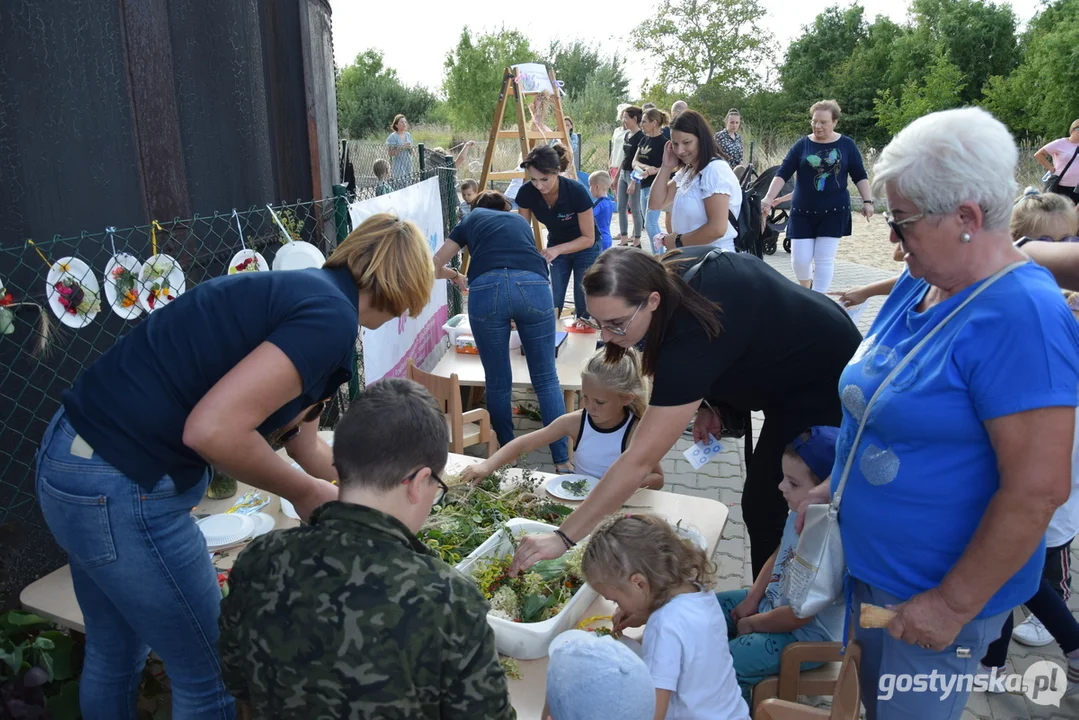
point(75, 298)
point(161, 280)
point(251, 264)
point(7, 318)
point(125, 281)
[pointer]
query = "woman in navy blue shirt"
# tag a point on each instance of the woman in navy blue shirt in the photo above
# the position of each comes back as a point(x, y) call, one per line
point(507, 282)
point(564, 207)
point(820, 211)
point(228, 371)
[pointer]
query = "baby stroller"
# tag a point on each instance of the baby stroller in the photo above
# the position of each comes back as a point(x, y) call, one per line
point(776, 222)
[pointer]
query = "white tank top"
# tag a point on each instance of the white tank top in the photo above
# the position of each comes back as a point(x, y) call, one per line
point(595, 449)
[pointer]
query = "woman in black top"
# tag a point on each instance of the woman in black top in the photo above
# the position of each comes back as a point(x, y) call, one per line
point(648, 161)
point(718, 327)
point(631, 119)
point(564, 206)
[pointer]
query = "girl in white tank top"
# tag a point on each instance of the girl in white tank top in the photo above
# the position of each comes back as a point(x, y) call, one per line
point(613, 398)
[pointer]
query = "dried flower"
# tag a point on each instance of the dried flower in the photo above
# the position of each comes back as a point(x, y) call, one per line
point(76, 299)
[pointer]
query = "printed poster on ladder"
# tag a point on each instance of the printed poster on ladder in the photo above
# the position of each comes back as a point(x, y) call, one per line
point(386, 350)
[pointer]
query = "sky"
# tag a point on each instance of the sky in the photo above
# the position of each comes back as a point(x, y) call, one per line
point(415, 43)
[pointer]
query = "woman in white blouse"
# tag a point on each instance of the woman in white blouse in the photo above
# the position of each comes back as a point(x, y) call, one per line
point(706, 192)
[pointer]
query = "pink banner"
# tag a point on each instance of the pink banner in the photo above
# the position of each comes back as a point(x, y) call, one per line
point(425, 343)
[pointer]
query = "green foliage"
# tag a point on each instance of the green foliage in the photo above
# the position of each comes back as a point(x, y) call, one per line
point(1041, 97)
point(940, 90)
point(703, 41)
point(580, 67)
point(474, 73)
point(369, 95)
point(39, 667)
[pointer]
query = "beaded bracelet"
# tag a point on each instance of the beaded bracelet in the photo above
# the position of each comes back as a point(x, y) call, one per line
point(565, 538)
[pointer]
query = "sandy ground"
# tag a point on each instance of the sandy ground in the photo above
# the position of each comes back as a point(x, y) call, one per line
point(868, 245)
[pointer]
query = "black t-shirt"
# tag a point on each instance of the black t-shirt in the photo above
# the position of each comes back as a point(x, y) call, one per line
point(560, 220)
point(131, 404)
point(650, 152)
point(629, 147)
point(496, 239)
point(780, 346)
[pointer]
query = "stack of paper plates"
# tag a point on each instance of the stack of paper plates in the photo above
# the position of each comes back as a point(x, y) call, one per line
point(222, 531)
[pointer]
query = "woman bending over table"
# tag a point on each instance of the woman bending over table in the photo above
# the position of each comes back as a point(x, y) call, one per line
point(230, 370)
point(507, 282)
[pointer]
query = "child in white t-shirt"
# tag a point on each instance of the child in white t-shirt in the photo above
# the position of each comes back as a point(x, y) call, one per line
point(640, 563)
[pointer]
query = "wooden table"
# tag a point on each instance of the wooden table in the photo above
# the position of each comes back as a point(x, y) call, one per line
point(53, 596)
point(572, 358)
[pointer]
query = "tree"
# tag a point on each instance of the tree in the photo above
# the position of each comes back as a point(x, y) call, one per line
point(1041, 97)
point(813, 63)
point(575, 64)
point(597, 104)
point(369, 95)
point(862, 77)
point(940, 90)
point(474, 74)
point(704, 41)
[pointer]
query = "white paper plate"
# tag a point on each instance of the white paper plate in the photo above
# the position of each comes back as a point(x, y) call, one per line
point(288, 510)
point(177, 282)
point(226, 529)
point(245, 255)
point(298, 255)
point(128, 262)
point(264, 523)
point(556, 486)
point(71, 267)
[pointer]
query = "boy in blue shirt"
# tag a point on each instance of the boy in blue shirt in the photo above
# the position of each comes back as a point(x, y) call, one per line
point(760, 621)
point(599, 184)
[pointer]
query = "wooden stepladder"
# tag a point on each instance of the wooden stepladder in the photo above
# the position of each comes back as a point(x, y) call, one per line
point(513, 86)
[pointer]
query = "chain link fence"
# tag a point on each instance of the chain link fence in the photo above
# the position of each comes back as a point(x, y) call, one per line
point(65, 301)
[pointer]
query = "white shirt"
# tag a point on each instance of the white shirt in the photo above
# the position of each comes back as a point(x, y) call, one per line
point(688, 212)
point(1065, 523)
point(595, 449)
point(685, 648)
point(618, 138)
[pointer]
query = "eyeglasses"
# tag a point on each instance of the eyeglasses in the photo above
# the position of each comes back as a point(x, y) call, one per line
point(443, 488)
point(314, 413)
point(897, 226)
point(613, 329)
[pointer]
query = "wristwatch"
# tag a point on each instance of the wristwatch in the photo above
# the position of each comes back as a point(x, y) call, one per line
point(678, 240)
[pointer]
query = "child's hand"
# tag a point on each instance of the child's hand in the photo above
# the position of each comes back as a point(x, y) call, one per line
point(854, 296)
point(475, 473)
point(744, 626)
point(744, 609)
point(621, 620)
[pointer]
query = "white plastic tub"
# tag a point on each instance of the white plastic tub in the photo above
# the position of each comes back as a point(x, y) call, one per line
point(459, 325)
point(527, 641)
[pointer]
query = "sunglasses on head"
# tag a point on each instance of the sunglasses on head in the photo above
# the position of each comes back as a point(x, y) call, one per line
point(313, 413)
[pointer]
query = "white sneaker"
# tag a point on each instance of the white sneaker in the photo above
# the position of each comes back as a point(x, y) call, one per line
point(996, 679)
point(1032, 632)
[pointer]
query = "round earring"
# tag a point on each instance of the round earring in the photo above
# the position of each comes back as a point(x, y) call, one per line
point(964, 238)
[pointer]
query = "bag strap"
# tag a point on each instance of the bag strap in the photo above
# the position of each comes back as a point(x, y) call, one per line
point(1066, 167)
point(838, 496)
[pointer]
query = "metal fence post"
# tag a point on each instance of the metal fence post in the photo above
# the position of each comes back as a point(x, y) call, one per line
point(447, 186)
point(423, 158)
point(340, 199)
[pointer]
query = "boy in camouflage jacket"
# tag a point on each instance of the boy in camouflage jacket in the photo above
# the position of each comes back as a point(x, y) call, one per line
point(352, 616)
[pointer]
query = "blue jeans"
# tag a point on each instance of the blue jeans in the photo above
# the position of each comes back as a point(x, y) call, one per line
point(143, 579)
point(494, 299)
point(651, 220)
point(756, 655)
point(626, 201)
point(578, 263)
point(884, 656)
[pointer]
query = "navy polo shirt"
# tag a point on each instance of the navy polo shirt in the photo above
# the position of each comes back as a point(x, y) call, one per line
point(131, 404)
point(497, 239)
point(560, 220)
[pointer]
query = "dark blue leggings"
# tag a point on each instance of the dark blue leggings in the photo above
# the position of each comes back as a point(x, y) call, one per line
point(1049, 607)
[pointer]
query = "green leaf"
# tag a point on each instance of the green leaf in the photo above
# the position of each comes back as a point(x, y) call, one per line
point(63, 654)
point(7, 322)
point(17, 621)
point(64, 705)
point(533, 607)
point(43, 659)
point(12, 656)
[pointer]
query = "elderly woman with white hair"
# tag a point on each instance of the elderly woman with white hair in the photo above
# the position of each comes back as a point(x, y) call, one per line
point(958, 417)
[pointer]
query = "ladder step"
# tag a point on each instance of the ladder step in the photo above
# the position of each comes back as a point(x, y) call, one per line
point(505, 175)
point(531, 135)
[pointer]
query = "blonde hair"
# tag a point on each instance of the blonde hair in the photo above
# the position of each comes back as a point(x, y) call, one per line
point(389, 258)
point(629, 544)
point(601, 178)
point(830, 105)
point(622, 376)
point(656, 115)
point(1038, 215)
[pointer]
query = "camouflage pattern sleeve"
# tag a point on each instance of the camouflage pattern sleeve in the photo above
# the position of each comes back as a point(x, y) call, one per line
point(474, 683)
point(230, 643)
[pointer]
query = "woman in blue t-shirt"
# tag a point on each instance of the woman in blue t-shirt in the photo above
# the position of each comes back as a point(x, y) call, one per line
point(820, 210)
point(966, 452)
point(507, 283)
point(223, 375)
point(564, 207)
